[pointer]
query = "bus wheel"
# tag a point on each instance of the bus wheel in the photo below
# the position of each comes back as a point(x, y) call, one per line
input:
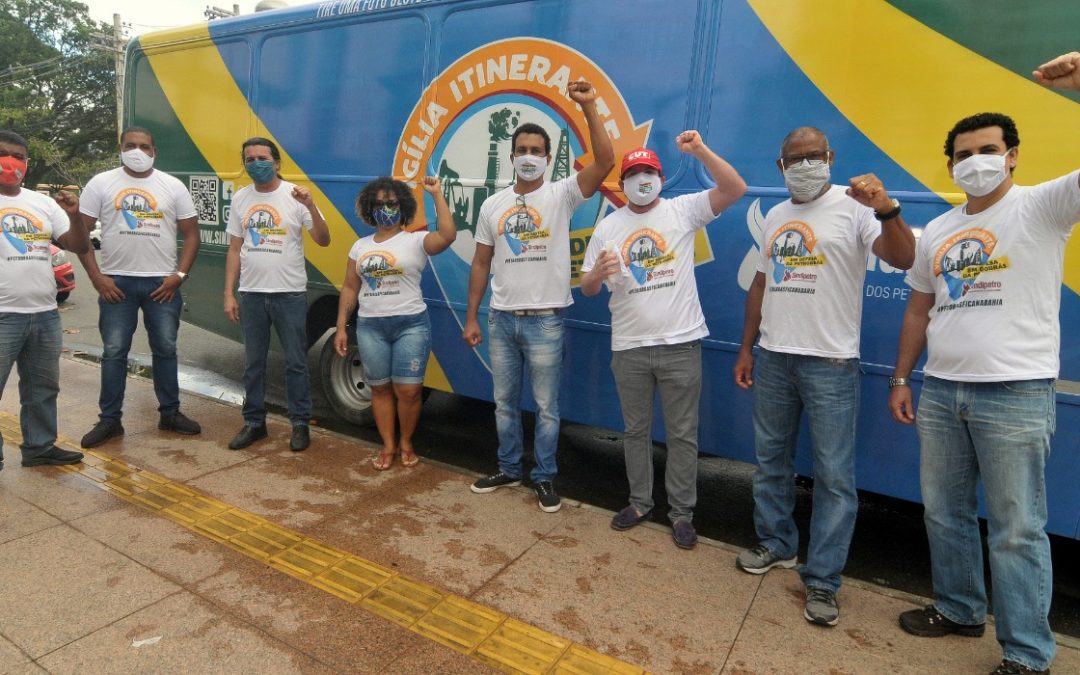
point(344, 385)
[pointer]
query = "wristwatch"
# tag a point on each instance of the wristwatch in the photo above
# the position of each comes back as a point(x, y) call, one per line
point(898, 382)
point(891, 213)
point(183, 276)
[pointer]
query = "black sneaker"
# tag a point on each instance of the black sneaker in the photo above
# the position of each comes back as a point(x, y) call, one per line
point(102, 431)
point(549, 501)
point(301, 438)
point(180, 423)
point(54, 456)
point(494, 482)
point(928, 622)
point(1008, 667)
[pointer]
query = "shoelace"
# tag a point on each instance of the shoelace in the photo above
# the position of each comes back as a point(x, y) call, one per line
point(819, 595)
point(761, 552)
point(545, 488)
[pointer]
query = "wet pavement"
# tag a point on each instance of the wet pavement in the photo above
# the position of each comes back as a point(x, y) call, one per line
point(173, 554)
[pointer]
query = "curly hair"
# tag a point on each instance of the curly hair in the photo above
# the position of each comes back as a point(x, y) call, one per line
point(982, 121)
point(365, 201)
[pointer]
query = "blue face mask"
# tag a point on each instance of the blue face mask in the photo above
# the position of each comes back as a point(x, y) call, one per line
point(261, 171)
point(387, 217)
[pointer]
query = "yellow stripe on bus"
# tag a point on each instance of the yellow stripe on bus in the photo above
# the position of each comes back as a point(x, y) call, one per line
point(206, 100)
point(904, 85)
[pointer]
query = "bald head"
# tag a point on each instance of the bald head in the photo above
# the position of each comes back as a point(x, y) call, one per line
point(804, 135)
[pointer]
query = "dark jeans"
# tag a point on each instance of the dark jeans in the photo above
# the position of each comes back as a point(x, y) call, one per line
point(117, 322)
point(287, 312)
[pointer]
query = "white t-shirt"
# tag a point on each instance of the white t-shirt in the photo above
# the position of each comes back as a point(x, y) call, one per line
point(271, 225)
point(390, 274)
point(813, 256)
point(654, 301)
point(138, 220)
point(531, 236)
point(996, 280)
point(29, 220)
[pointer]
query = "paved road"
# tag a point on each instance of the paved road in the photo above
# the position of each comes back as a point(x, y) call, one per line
point(889, 547)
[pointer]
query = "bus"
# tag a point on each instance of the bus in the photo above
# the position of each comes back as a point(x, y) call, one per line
point(354, 89)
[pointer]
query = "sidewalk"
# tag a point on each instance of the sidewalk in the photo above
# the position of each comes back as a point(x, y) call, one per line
point(199, 559)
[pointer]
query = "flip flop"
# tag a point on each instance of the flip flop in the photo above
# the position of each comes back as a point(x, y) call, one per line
point(409, 458)
point(383, 461)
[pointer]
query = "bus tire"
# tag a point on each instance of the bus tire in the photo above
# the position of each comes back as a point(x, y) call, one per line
point(343, 383)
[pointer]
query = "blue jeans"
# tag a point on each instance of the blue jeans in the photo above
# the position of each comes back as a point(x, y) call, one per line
point(828, 389)
point(117, 323)
point(674, 370)
point(517, 341)
point(288, 314)
point(1000, 432)
point(33, 342)
point(394, 348)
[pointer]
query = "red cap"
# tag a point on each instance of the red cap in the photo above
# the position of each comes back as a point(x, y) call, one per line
point(640, 157)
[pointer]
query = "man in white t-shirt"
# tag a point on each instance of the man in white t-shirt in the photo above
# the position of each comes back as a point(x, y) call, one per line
point(523, 239)
point(140, 209)
point(30, 332)
point(266, 251)
point(644, 252)
point(986, 291)
point(806, 304)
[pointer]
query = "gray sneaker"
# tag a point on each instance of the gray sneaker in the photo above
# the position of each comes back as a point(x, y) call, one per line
point(759, 560)
point(821, 607)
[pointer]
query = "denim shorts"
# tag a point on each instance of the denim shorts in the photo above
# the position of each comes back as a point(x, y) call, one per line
point(394, 347)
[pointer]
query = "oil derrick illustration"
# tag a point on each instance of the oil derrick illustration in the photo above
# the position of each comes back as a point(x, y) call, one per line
point(561, 167)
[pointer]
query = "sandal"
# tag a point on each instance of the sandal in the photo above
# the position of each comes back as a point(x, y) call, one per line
point(409, 458)
point(383, 460)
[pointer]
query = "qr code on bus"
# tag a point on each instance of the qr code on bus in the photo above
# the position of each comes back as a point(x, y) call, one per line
point(205, 191)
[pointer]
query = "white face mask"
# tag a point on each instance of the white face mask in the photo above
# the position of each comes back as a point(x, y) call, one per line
point(137, 160)
point(643, 188)
point(979, 175)
point(529, 167)
point(806, 179)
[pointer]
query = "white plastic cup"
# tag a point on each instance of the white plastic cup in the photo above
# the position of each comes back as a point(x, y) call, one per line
point(613, 250)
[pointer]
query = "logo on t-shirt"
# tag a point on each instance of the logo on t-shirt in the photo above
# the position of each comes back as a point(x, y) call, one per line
point(521, 225)
point(645, 254)
point(792, 248)
point(263, 225)
point(964, 257)
point(23, 231)
point(139, 208)
point(377, 268)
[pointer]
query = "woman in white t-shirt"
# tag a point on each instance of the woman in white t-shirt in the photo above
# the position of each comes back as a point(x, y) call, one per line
point(393, 332)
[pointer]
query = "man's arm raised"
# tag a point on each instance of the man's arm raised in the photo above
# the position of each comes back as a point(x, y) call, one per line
point(591, 177)
point(1060, 73)
point(730, 186)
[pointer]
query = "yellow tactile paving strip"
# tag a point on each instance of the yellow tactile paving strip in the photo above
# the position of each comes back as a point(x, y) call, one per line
point(485, 634)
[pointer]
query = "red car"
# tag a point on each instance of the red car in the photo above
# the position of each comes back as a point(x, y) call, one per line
point(63, 271)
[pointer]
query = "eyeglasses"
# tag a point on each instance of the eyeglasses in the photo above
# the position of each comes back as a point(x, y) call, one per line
point(392, 203)
point(816, 157)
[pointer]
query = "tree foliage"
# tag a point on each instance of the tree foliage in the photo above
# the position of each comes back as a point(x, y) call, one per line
point(56, 89)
